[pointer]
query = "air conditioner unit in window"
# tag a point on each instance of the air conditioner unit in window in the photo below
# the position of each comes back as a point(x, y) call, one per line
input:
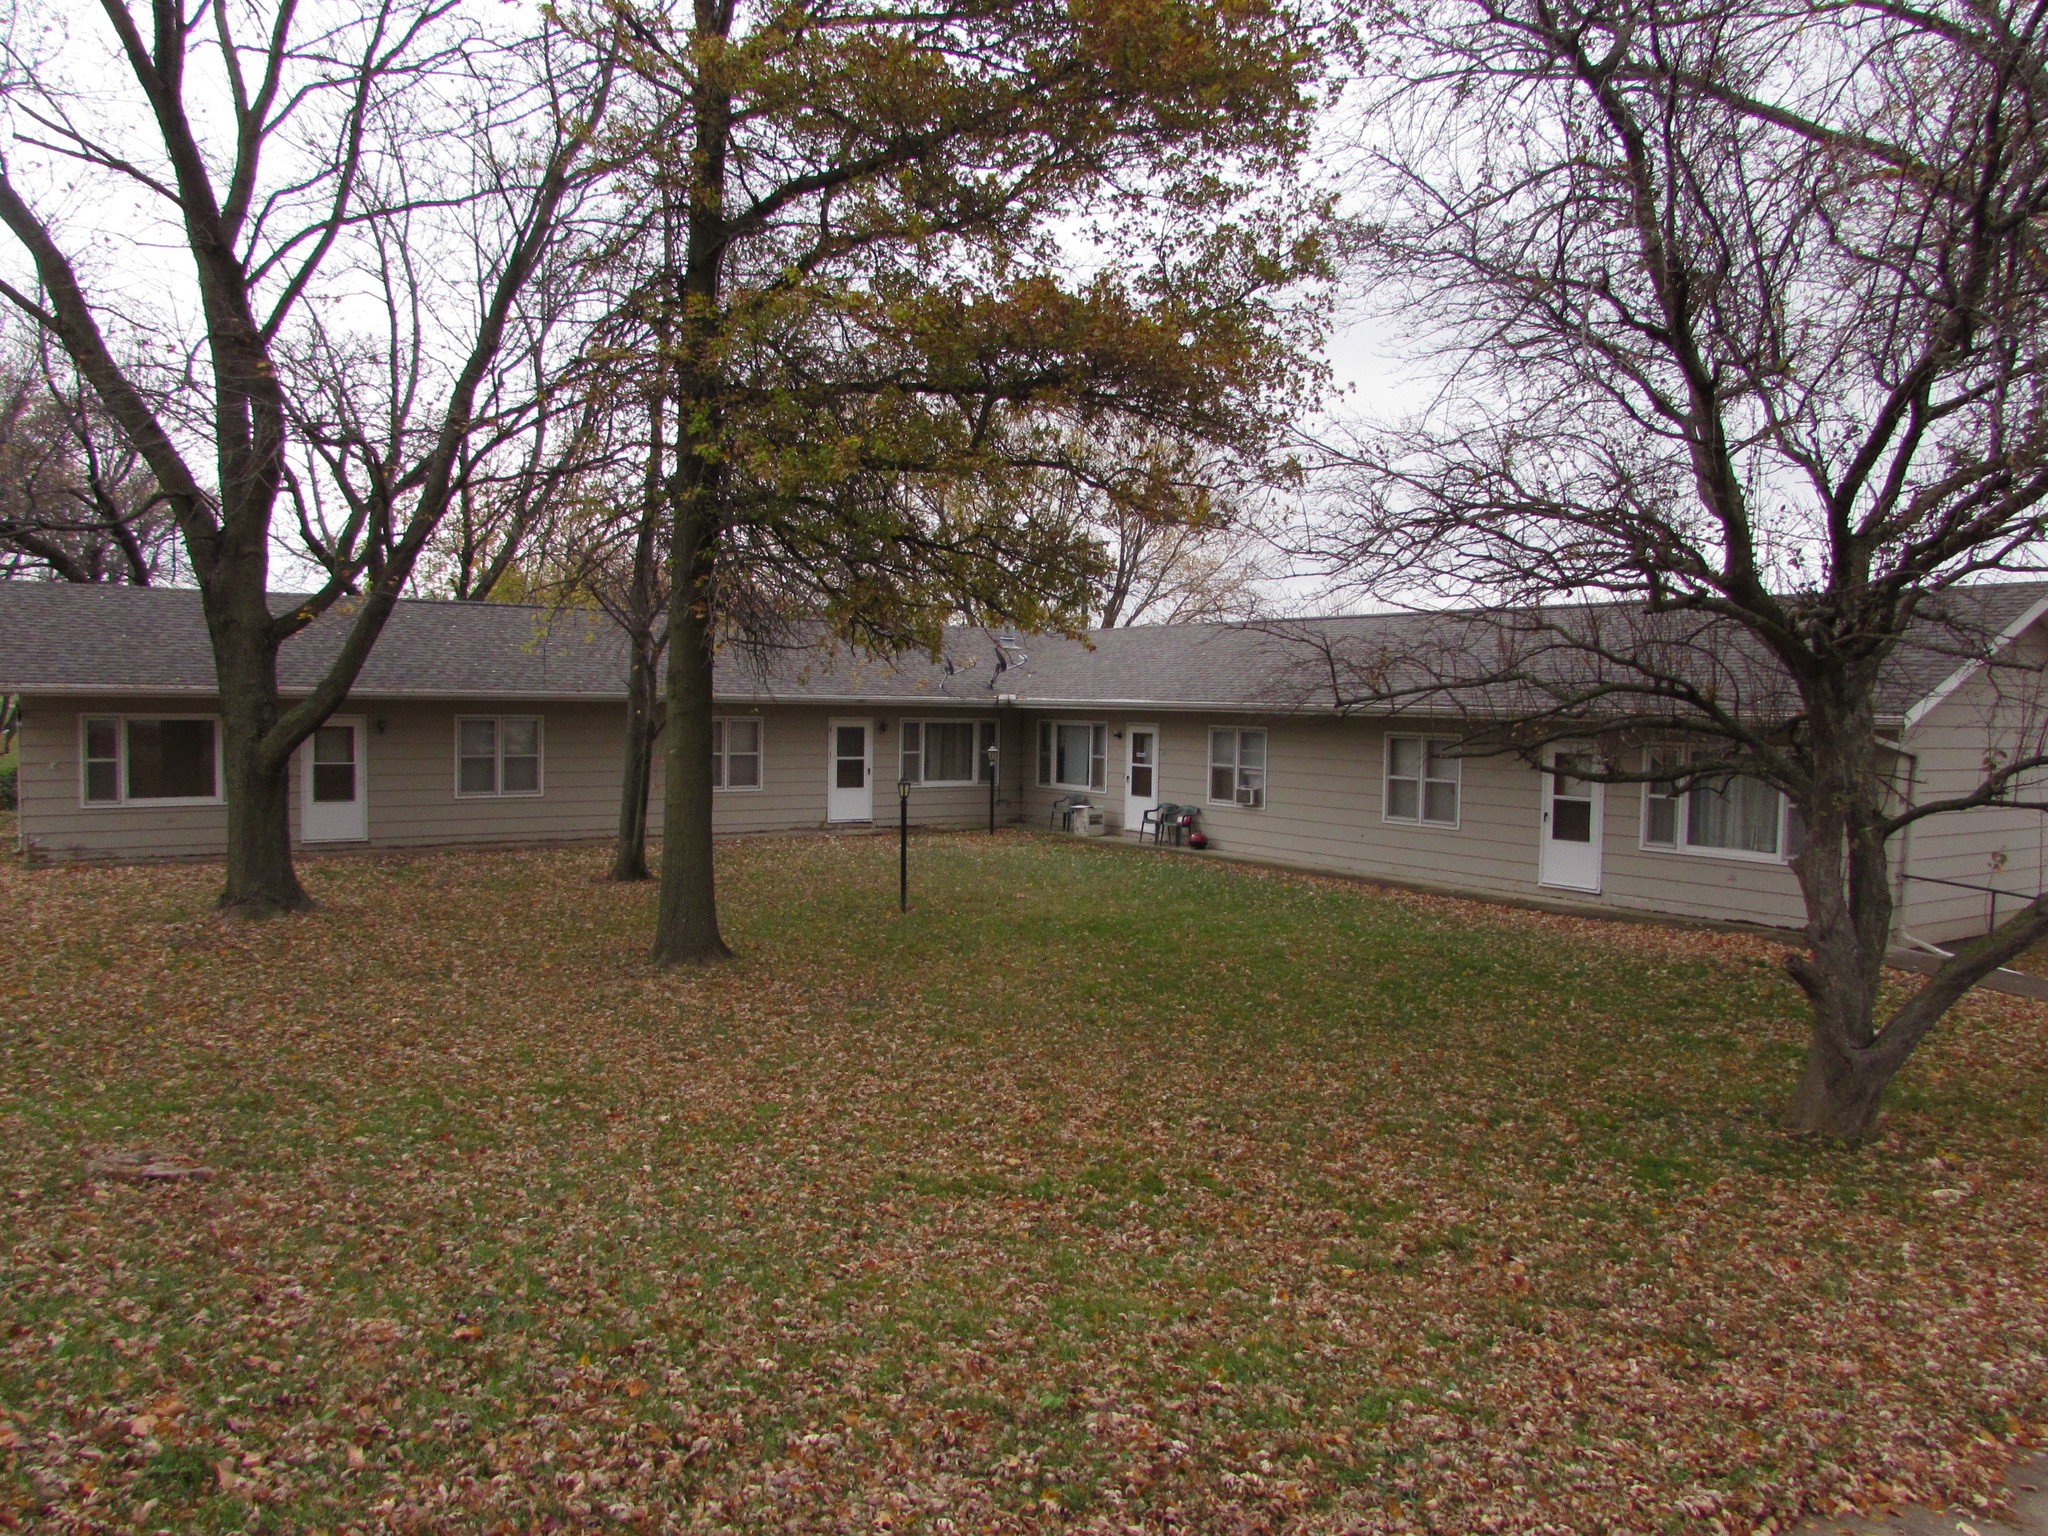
point(1251, 795)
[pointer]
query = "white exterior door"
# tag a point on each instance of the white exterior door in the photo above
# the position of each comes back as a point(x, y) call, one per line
point(850, 789)
point(336, 805)
point(1141, 774)
point(1571, 823)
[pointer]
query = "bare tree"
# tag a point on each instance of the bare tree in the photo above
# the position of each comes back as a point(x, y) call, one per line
point(1181, 527)
point(76, 501)
point(355, 263)
point(1744, 311)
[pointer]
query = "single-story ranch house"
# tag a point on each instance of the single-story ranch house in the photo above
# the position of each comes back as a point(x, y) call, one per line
point(486, 723)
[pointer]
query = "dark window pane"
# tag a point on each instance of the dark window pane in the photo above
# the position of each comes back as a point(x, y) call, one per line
point(102, 782)
point(949, 752)
point(522, 774)
point(102, 739)
point(850, 756)
point(1663, 825)
point(334, 744)
point(1141, 780)
point(479, 776)
point(1222, 783)
point(1571, 821)
point(334, 783)
point(1440, 802)
point(1401, 799)
point(170, 760)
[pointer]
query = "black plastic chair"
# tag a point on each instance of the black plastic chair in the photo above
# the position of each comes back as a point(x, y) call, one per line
point(1154, 821)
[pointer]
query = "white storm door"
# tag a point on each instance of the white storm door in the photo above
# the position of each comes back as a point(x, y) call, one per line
point(1141, 774)
point(336, 806)
point(1571, 824)
point(850, 790)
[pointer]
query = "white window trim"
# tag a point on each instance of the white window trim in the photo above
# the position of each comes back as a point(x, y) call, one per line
point(1422, 783)
point(718, 785)
point(121, 802)
point(1682, 822)
point(1238, 734)
point(977, 757)
point(540, 774)
point(1050, 778)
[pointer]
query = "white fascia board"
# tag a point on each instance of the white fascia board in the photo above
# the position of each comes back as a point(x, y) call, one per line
point(1970, 668)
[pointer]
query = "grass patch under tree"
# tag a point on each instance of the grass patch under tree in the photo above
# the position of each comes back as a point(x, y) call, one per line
point(1104, 1190)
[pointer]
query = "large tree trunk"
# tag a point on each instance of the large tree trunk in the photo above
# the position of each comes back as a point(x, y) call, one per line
point(261, 881)
point(686, 926)
point(1844, 875)
point(629, 857)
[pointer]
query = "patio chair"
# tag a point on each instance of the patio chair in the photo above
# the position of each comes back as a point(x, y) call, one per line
point(1182, 824)
point(1154, 820)
point(1063, 811)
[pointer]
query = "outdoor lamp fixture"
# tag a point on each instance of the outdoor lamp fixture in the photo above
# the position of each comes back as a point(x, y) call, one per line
point(992, 787)
point(903, 845)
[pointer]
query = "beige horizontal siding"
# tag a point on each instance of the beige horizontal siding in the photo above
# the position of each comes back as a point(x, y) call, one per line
point(409, 772)
point(53, 823)
point(1995, 846)
point(1324, 785)
point(1323, 811)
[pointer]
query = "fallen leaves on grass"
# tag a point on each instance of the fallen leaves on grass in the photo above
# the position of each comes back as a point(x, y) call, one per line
point(1100, 1193)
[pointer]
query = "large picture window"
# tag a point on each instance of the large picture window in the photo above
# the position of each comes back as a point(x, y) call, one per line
point(1720, 814)
point(939, 752)
point(497, 755)
point(1237, 767)
point(735, 752)
point(1421, 781)
point(149, 760)
point(1073, 755)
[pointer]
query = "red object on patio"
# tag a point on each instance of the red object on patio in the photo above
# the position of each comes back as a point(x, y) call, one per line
point(1198, 839)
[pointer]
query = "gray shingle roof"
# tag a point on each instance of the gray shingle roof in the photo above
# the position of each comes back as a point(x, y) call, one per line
point(56, 638)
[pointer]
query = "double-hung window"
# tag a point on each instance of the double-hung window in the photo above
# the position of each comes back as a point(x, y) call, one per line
point(941, 752)
point(1720, 813)
point(149, 760)
point(736, 752)
point(1237, 767)
point(1421, 781)
point(497, 755)
point(1072, 755)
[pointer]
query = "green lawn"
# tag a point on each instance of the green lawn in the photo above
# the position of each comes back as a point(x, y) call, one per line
point(1107, 1190)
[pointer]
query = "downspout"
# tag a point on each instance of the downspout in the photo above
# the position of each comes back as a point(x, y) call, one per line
point(1912, 763)
point(1905, 859)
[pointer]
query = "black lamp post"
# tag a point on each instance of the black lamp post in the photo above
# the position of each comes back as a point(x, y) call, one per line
point(991, 787)
point(903, 845)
